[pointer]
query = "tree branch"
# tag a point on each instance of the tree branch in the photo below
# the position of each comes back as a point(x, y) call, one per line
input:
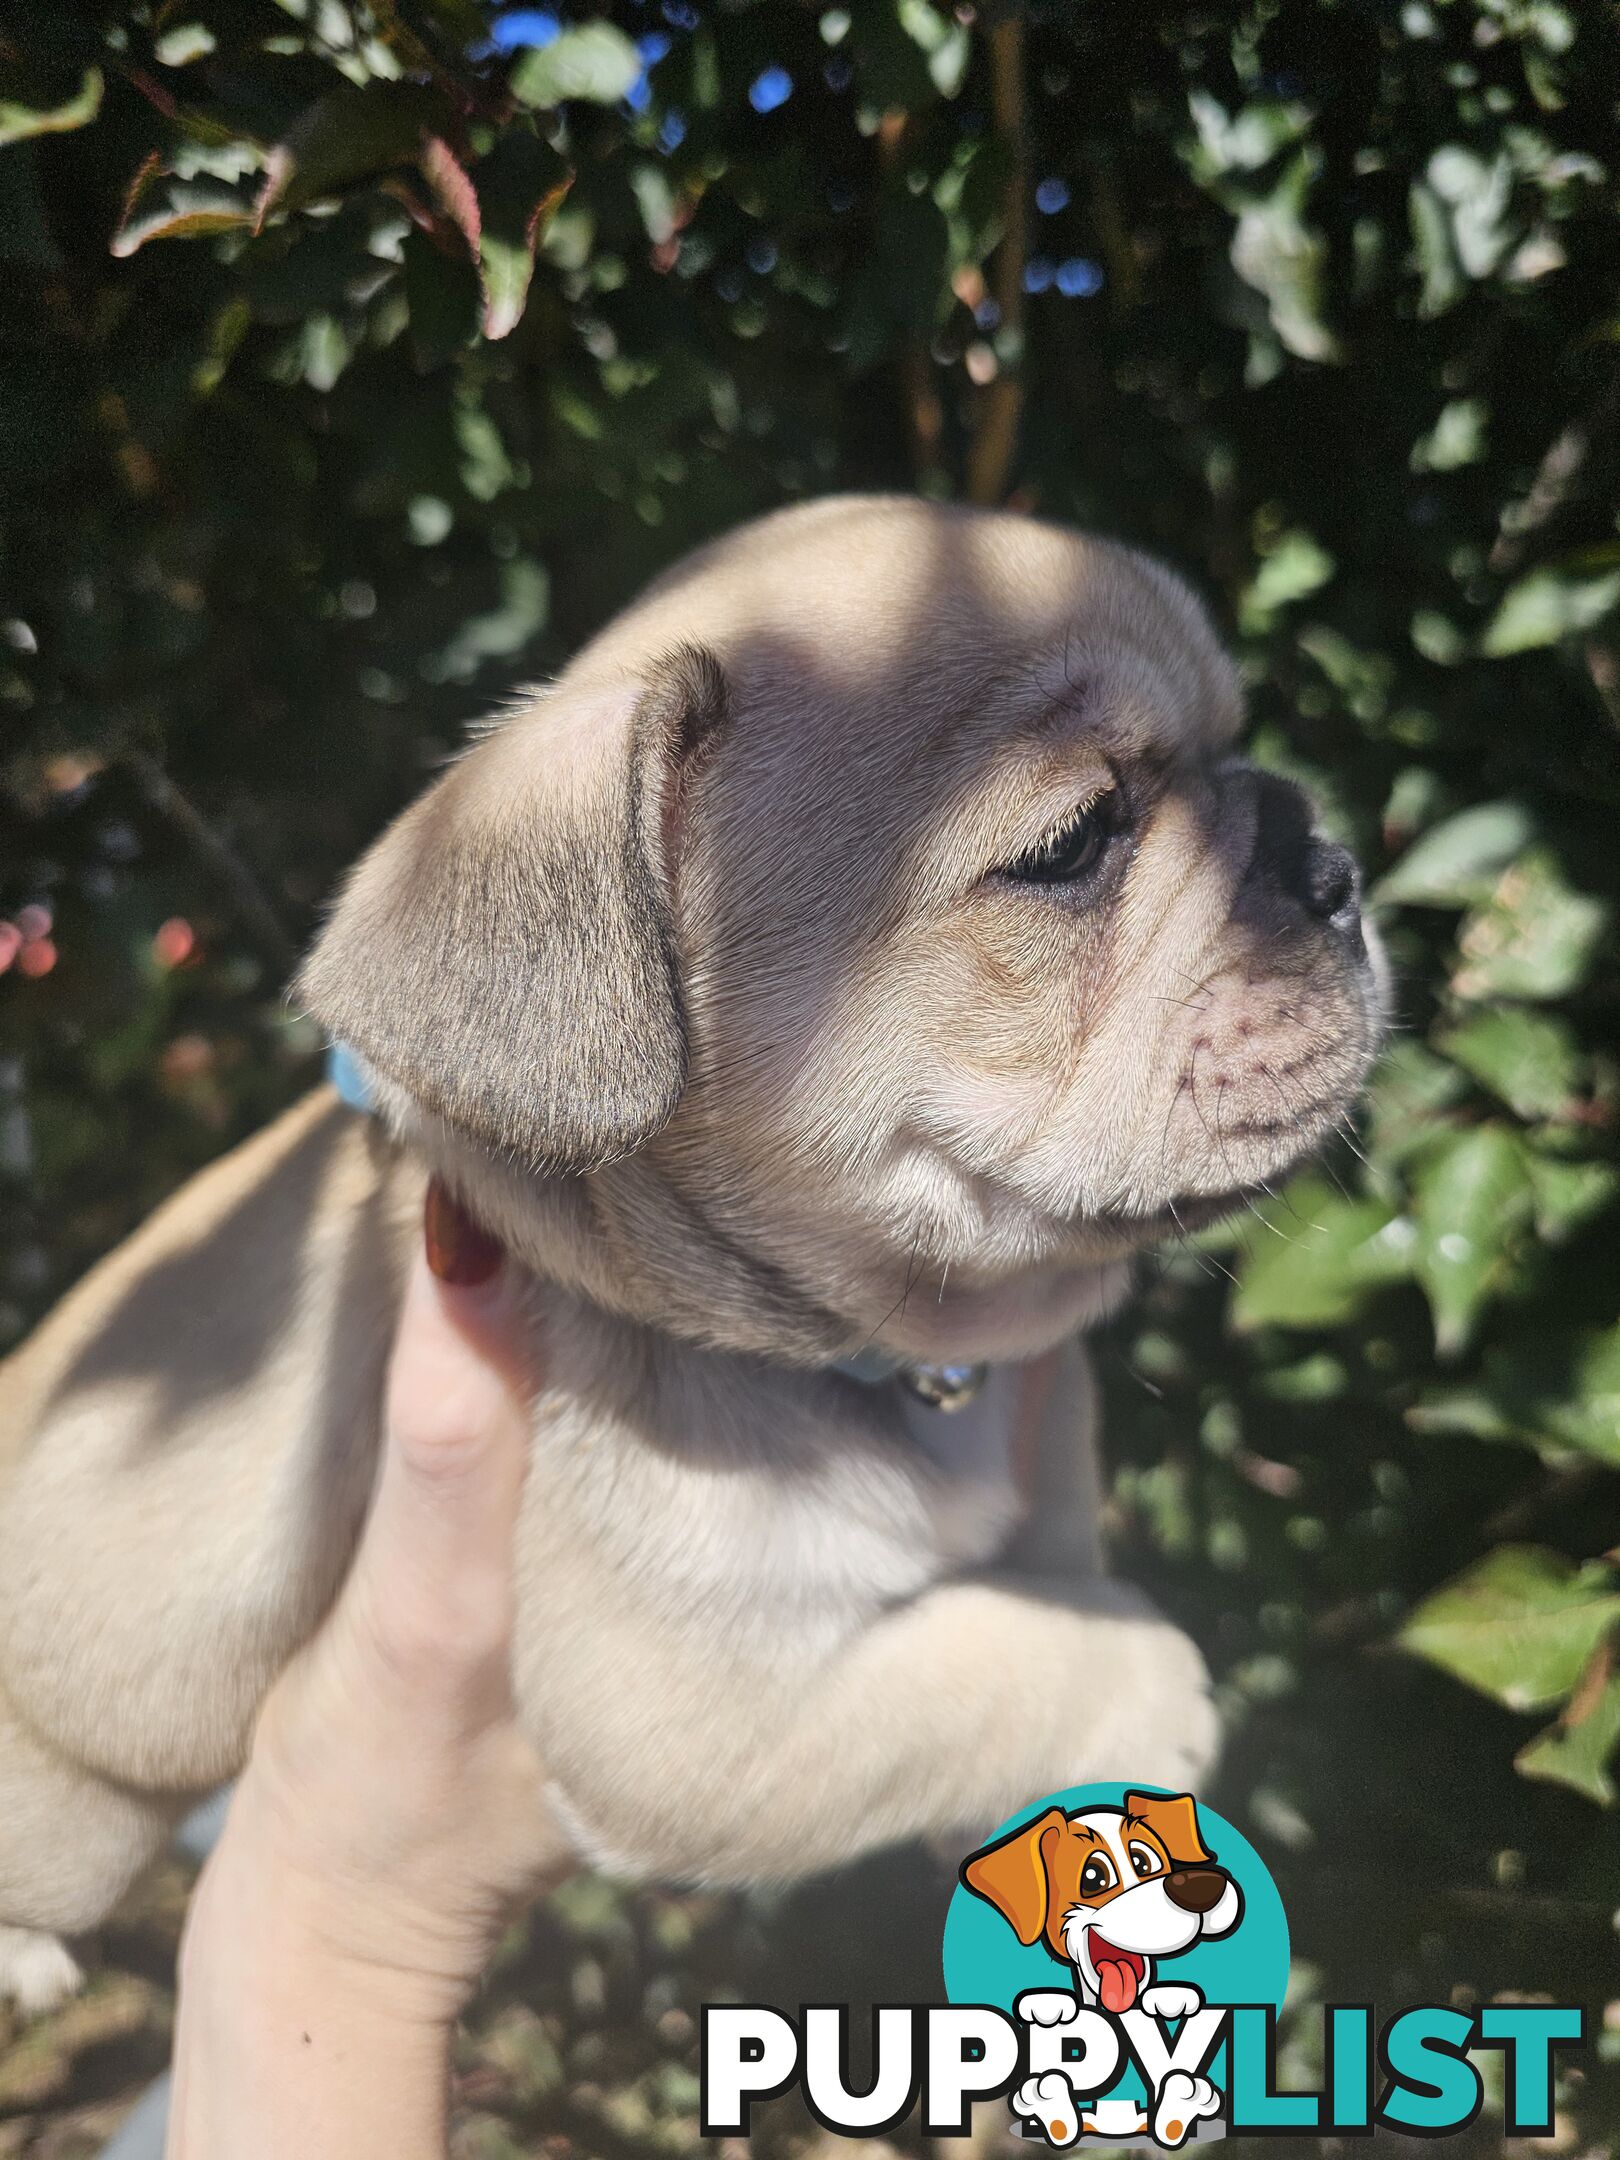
point(920, 402)
point(257, 916)
point(1001, 404)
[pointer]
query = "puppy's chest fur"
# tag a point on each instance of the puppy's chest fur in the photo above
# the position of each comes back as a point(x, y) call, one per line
point(800, 1502)
point(705, 1541)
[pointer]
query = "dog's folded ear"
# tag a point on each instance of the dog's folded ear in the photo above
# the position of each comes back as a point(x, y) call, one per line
point(1173, 1819)
point(506, 952)
point(1012, 1874)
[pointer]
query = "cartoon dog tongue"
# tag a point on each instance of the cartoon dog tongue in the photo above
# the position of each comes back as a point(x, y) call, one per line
point(1116, 1975)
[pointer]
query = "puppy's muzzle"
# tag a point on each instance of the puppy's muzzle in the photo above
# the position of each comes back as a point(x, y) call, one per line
point(1195, 1890)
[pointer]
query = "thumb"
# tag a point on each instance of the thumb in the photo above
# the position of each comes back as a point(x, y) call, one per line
point(435, 1562)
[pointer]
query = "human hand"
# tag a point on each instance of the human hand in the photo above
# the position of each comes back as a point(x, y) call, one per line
point(391, 1812)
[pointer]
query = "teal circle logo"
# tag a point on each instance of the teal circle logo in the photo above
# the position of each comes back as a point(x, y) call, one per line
point(1127, 1898)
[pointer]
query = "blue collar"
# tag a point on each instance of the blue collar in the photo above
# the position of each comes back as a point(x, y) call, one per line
point(941, 1387)
point(349, 1074)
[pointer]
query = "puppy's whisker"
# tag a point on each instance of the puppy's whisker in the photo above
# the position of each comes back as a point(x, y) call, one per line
point(1164, 1149)
point(1211, 1263)
point(1293, 1111)
point(1192, 1090)
point(1199, 983)
point(911, 1274)
point(1347, 1133)
point(1292, 1117)
point(1205, 1262)
point(900, 1303)
point(1248, 1198)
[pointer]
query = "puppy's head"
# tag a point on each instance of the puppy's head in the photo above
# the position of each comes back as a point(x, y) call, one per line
point(884, 883)
point(1110, 1889)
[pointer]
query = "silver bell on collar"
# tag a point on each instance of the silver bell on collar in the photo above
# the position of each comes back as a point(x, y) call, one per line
point(943, 1387)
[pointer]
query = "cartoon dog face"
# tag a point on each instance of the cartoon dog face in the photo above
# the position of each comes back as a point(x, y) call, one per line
point(1110, 1889)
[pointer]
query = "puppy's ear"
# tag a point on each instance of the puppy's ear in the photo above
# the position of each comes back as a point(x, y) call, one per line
point(506, 951)
point(1173, 1819)
point(1011, 1875)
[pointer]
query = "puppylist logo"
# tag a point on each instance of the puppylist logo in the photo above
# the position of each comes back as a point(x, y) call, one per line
point(1115, 1959)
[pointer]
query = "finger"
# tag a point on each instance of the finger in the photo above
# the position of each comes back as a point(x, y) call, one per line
point(436, 1561)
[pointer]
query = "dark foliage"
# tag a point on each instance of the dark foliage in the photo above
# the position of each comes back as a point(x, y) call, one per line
point(356, 363)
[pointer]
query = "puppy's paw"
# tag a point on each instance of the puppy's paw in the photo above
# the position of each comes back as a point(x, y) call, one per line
point(1047, 2006)
point(37, 1972)
point(1181, 2103)
point(1171, 1999)
point(1049, 2100)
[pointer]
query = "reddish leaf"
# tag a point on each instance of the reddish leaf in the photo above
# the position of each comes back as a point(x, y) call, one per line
point(452, 190)
point(160, 207)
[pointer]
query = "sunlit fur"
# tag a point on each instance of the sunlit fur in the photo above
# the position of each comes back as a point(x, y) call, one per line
point(944, 1108)
point(713, 1003)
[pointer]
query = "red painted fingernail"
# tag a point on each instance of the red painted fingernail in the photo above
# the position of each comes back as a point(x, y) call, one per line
point(459, 1251)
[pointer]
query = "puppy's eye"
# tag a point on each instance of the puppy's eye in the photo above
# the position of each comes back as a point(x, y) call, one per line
point(1096, 1877)
point(1076, 847)
point(1145, 1860)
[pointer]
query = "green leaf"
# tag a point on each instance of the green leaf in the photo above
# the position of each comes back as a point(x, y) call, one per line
point(1450, 864)
point(186, 42)
point(945, 43)
point(483, 464)
point(1519, 1626)
point(1409, 1090)
point(1319, 1258)
point(1578, 1749)
point(18, 121)
point(1592, 1418)
point(1472, 1196)
point(1473, 1410)
point(520, 184)
point(1436, 259)
point(1531, 1061)
point(350, 135)
point(1568, 1194)
point(1295, 566)
point(1457, 438)
point(1475, 197)
point(593, 61)
point(444, 299)
point(508, 628)
point(1546, 606)
point(1557, 1392)
point(1284, 258)
point(1532, 938)
point(1242, 142)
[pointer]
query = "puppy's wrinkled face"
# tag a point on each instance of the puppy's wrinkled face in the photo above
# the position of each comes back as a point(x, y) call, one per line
point(880, 906)
point(1002, 962)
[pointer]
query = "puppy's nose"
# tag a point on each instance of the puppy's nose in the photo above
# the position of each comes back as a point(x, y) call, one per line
point(1333, 883)
point(1336, 892)
point(1318, 873)
point(1195, 1889)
